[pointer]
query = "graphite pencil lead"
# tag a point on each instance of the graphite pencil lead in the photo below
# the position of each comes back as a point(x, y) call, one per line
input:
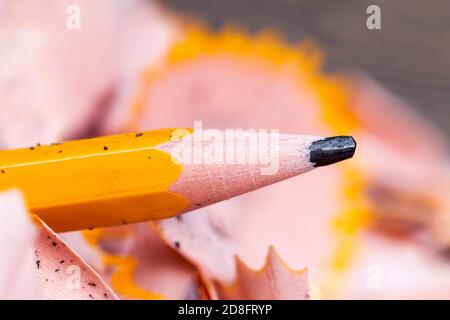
point(331, 150)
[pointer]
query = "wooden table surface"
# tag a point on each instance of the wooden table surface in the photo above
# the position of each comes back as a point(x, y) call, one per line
point(409, 55)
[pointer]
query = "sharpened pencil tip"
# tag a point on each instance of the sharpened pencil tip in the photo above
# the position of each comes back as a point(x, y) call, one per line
point(331, 150)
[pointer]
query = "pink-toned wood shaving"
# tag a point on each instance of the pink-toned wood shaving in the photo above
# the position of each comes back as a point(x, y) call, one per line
point(62, 274)
point(275, 281)
point(17, 275)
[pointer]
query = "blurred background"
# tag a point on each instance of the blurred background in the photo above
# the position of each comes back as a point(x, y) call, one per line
point(413, 43)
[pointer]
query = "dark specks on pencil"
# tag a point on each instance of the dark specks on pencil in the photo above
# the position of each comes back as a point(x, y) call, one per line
point(105, 148)
point(139, 134)
point(177, 244)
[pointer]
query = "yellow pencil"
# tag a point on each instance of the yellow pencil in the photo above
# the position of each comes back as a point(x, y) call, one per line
point(136, 177)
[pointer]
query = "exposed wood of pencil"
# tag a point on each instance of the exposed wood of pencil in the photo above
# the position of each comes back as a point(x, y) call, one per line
point(129, 178)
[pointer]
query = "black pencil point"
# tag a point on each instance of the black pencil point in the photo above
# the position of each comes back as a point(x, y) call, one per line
point(331, 150)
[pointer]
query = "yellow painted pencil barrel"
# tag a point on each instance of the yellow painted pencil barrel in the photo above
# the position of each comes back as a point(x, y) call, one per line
point(129, 178)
